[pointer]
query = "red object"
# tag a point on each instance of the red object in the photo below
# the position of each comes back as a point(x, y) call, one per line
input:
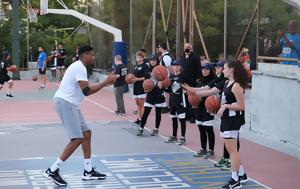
point(160, 73)
point(13, 68)
point(212, 104)
point(34, 78)
point(166, 83)
point(247, 69)
point(148, 85)
point(129, 78)
point(194, 100)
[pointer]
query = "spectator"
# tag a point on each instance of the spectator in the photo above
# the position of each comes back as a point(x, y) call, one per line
point(289, 43)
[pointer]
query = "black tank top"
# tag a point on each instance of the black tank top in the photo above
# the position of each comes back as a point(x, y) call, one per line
point(229, 98)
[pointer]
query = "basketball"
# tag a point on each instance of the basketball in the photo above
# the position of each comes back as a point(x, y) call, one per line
point(13, 68)
point(148, 85)
point(49, 58)
point(160, 73)
point(129, 78)
point(212, 104)
point(34, 78)
point(194, 100)
point(166, 83)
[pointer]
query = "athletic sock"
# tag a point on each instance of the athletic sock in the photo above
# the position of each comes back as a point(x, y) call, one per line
point(56, 165)
point(241, 171)
point(234, 175)
point(88, 165)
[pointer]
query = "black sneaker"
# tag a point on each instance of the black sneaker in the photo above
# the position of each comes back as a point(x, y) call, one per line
point(232, 184)
point(171, 139)
point(154, 132)
point(9, 95)
point(192, 120)
point(140, 132)
point(209, 155)
point(201, 153)
point(138, 122)
point(117, 112)
point(55, 177)
point(243, 179)
point(182, 141)
point(92, 175)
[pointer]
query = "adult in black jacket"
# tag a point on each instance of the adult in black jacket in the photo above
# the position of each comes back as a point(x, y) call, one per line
point(191, 72)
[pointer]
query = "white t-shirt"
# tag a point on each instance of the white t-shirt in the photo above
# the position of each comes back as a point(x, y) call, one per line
point(69, 88)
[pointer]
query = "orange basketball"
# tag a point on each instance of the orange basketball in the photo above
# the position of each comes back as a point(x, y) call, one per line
point(166, 83)
point(212, 104)
point(194, 100)
point(160, 73)
point(148, 85)
point(34, 78)
point(13, 68)
point(49, 58)
point(129, 78)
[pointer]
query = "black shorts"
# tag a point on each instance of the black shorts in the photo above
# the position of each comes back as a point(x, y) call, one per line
point(138, 88)
point(232, 124)
point(42, 72)
point(60, 64)
point(177, 112)
point(155, 98)
point(4, 79)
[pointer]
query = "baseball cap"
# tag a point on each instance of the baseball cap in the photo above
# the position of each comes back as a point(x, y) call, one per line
point(175, 62)
point(220, 63)
point(153, 57)
point(207, 66)
point(162, 45)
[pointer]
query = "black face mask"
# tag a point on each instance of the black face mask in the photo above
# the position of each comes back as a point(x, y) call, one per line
point(187, 50)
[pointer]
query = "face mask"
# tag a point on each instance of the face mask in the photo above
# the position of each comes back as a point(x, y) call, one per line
point(187, 50)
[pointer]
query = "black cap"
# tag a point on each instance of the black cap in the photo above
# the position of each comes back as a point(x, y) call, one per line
point(207, 66)
point(175, 62)
point(153, 57)
point(163, 45)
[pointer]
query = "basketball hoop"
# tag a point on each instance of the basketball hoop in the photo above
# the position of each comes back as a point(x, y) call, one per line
point(32, 14)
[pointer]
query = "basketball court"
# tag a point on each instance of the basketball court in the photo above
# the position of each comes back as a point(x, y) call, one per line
point(32, 137)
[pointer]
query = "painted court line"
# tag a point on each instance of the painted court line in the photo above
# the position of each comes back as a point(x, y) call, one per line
point(100, 105)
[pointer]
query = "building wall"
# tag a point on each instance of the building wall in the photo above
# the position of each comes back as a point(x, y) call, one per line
point(275, 103)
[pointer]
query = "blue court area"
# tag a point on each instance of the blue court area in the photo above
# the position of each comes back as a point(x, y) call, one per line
point(149, 171)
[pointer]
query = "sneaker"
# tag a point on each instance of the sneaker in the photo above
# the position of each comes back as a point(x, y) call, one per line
point(227, 166)
point(192, 120)
point(138, 122)
point(154, 132)
point(221, 163)
point(201, 153)
point(55, 177)
point(182, 141)
point(41, 87)
point(122, 114)
point(9, 95)
point(172, 139)
point(243, 179)
point(140, 132)
point(209, 155)
point(135, 112)
point(117, 112)
point(92, 175)
point(232, 184)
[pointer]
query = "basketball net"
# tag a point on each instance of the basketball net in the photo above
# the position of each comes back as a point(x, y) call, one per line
point(32, 14)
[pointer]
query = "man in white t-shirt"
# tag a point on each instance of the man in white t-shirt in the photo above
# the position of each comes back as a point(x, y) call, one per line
point(74, 86)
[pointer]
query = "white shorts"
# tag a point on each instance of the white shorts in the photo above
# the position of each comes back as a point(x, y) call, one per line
point(229, 134)
point(204, 123)
point(155, 105)
point(140, 96)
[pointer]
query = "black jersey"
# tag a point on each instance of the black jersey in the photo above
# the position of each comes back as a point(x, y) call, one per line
point(61, 60)
point(3, 66)
point(121, 70)
point(140, 70)
point(176, 93)
point(202, 114)
point(231, 120)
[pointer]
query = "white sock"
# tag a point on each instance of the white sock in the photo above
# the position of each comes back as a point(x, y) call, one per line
point(88, 165)
point(56, 165)
point(234, 175)
point(241, 171)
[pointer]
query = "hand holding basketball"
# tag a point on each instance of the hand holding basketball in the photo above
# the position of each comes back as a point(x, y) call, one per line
point(194, 100)
point(148, 85)
point(160, 73)
point(212, 104)
point(111, 79)
point(13, 68)
point(129, 78)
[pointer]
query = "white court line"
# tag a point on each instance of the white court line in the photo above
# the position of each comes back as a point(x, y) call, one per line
point(166, 138)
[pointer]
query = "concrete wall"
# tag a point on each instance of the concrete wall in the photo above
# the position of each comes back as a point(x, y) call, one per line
point(275, 102)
